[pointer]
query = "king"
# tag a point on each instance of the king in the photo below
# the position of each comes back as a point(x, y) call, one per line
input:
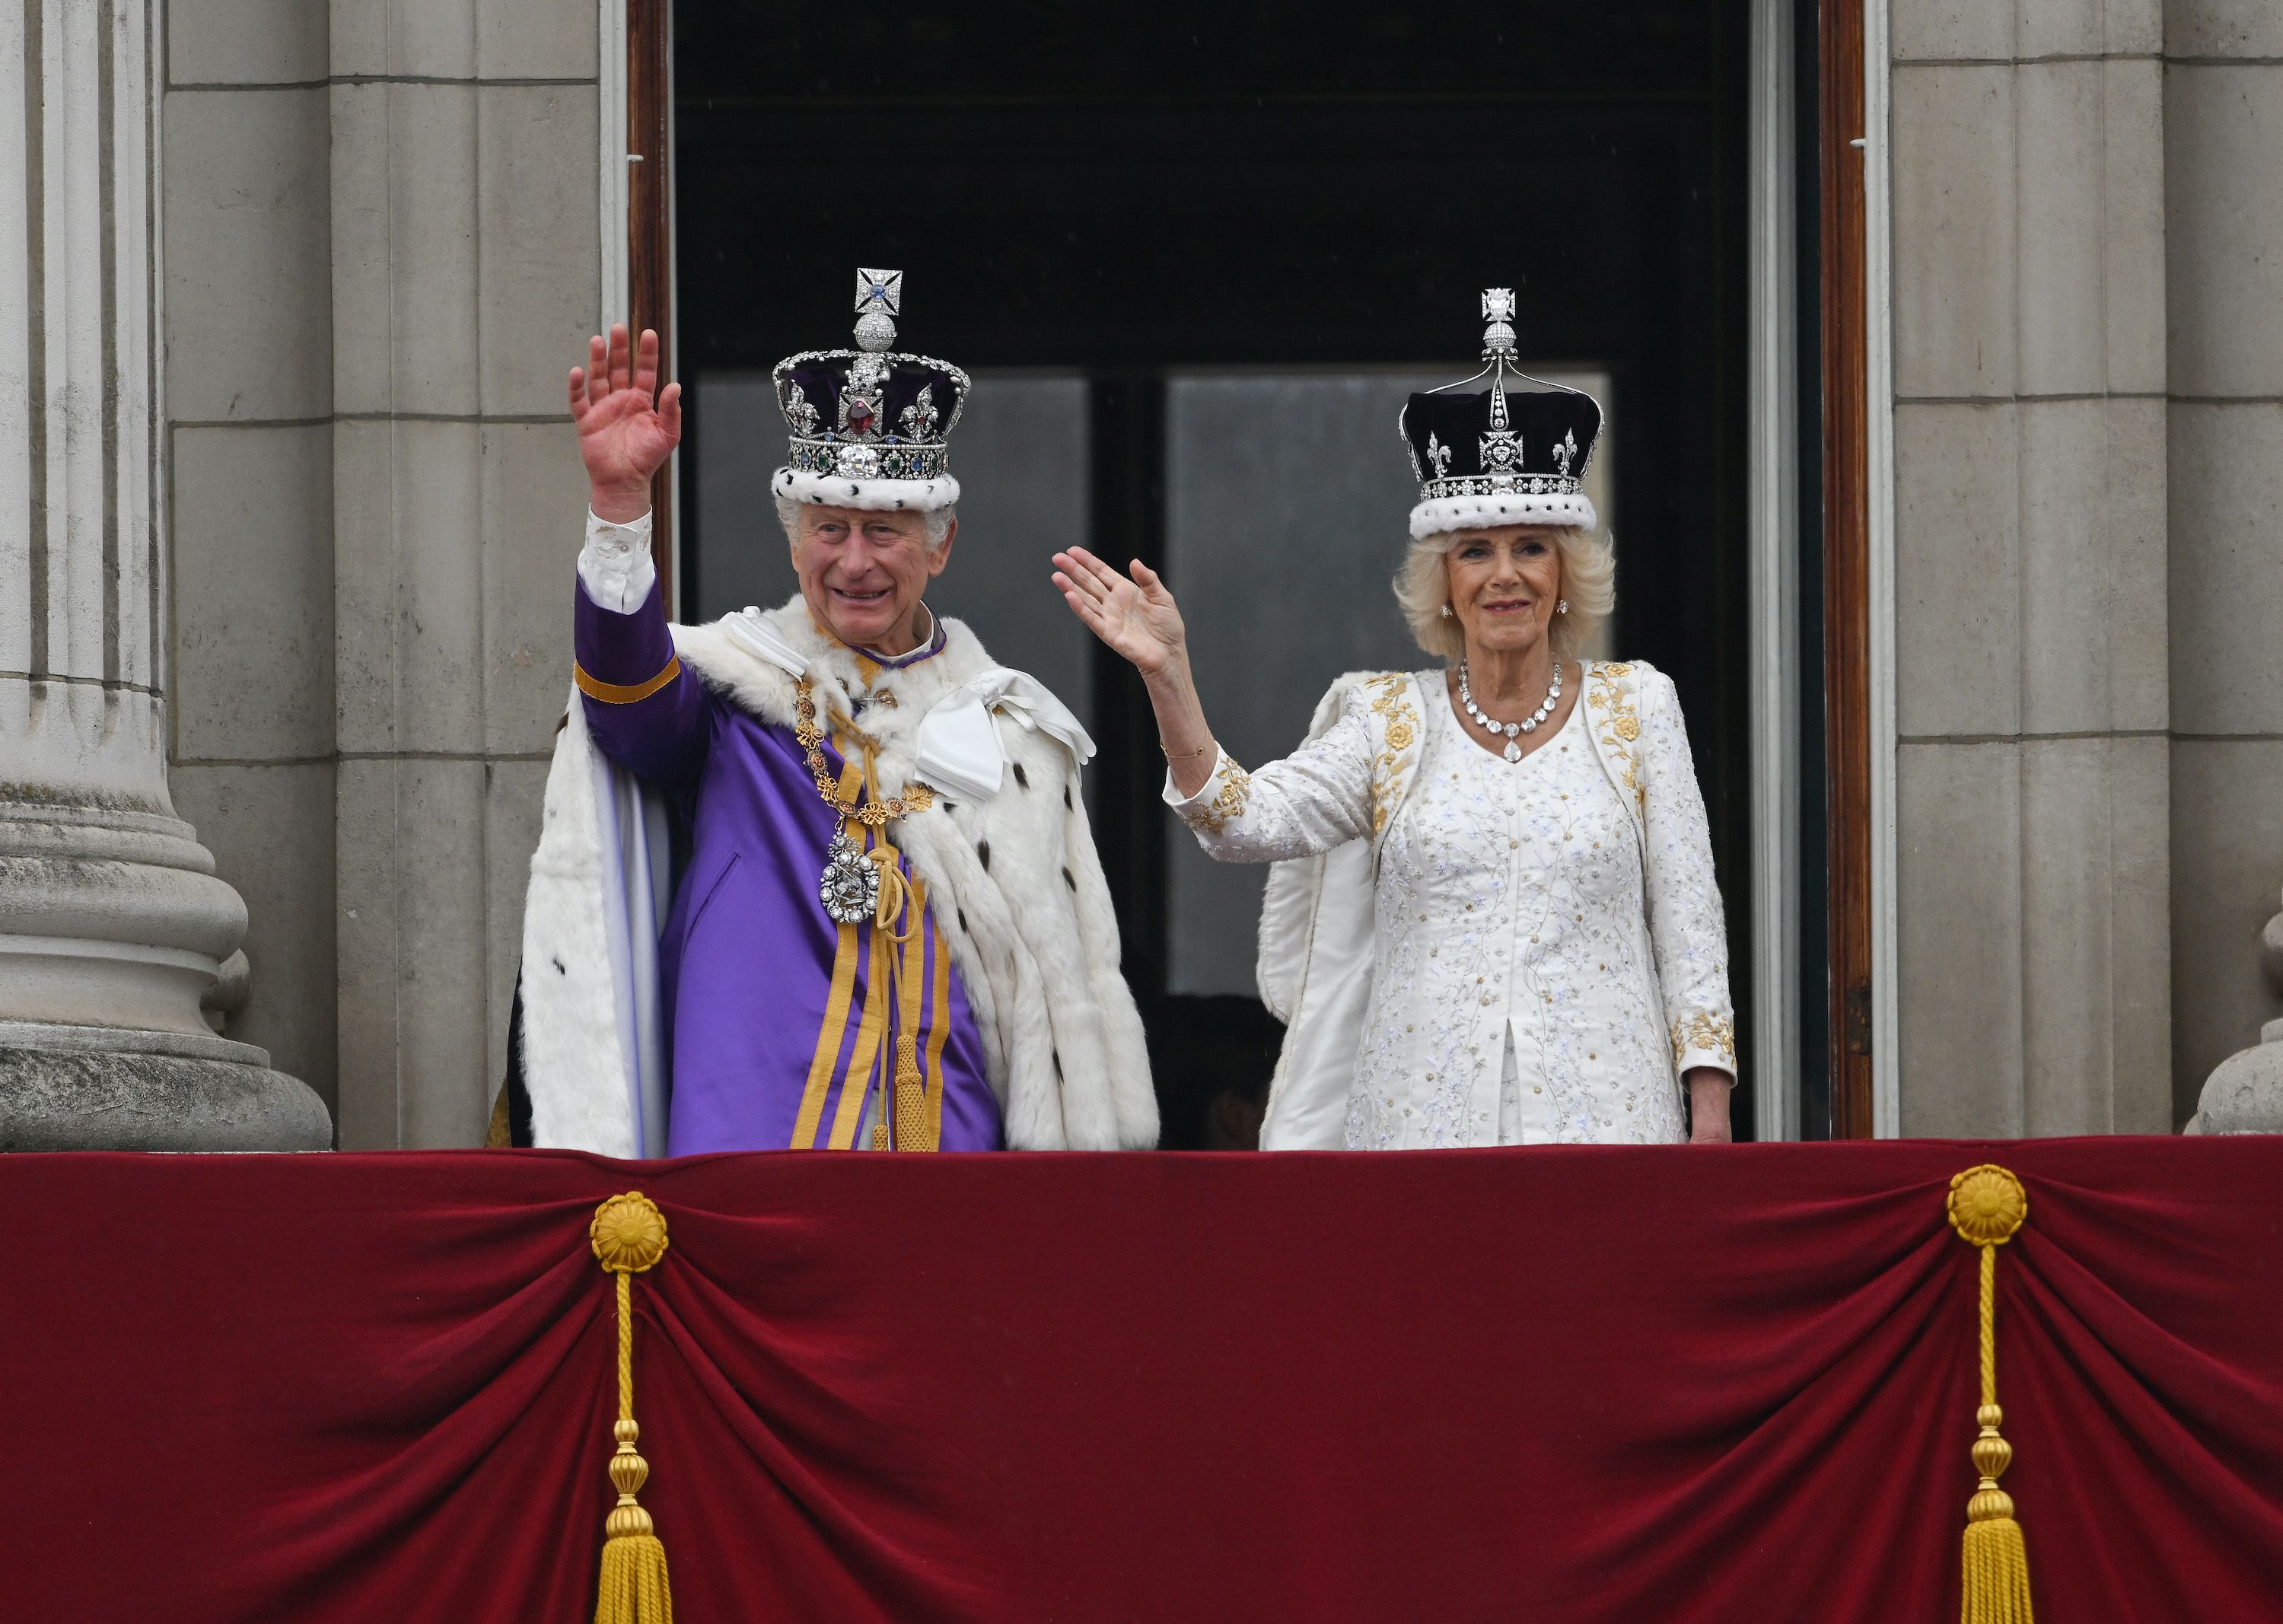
point(818, 877)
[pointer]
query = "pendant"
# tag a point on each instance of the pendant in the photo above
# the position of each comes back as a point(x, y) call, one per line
point(1513, 752)
point(850, 885)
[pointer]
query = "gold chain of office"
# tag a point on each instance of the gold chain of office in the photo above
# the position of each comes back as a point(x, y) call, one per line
point(874, 814)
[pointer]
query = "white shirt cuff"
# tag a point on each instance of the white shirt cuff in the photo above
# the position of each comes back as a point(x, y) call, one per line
point(1186, 804)
point(614, 565)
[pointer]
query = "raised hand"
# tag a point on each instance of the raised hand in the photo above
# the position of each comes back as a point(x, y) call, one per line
point(1139, 620)
point(1137, 617)
point(623, 438)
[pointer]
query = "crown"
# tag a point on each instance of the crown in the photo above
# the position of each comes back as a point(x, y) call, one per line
point(1501, 457)
point(870, 424)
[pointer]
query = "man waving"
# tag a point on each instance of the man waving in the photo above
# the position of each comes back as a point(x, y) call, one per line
point(891, 930)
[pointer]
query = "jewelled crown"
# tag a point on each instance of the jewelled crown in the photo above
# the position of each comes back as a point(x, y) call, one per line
point(869, 425)
point(1501, 457)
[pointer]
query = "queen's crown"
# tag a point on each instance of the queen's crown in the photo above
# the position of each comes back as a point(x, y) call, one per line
point(1499, 442)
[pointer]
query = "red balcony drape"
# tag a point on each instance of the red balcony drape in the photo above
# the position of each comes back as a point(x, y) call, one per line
point(1555, 1385)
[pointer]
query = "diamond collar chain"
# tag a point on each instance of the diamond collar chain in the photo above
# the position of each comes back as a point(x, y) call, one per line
point(871, 814)
point(1528, 724)
point(851, 885)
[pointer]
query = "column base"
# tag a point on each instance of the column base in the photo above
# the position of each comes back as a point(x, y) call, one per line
point(108, 1089)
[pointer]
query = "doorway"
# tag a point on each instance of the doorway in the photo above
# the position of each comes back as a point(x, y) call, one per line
point(1191, 254)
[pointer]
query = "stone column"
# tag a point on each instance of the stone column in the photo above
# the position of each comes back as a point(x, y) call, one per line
point(2224, 191)
point(113, 928)
point(2033, 766)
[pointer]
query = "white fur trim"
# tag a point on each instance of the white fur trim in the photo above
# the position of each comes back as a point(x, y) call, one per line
point(574, 1030)
point(1476, 512)
point(1013, 882)
point(881, 496)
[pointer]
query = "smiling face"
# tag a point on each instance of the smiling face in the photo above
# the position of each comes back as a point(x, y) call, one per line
point(1504, 585)
point(862, 573)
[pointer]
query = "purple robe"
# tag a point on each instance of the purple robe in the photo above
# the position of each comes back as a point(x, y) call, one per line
point(774, 1015)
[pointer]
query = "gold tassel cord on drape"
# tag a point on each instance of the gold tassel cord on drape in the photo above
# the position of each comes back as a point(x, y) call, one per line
point(628, 1236)
point(1988, 1208)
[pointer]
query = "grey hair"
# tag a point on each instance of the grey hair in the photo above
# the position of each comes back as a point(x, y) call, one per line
point(937, 519)
point(1589, 581)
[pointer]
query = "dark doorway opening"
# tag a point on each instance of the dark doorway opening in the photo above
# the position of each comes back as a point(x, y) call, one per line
point(1106, 208)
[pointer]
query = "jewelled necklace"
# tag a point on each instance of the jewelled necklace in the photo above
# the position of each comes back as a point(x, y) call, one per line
point(850, 885)
point(1528, 724)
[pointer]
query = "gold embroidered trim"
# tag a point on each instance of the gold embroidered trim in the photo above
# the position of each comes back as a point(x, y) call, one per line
point(1619, 723)
point(1387, 770)
point(1235, 787)
point(872, 815)
point(1706, 1031)
point(624, 693)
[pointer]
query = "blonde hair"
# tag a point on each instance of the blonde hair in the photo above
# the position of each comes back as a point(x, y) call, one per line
point(1589, 581)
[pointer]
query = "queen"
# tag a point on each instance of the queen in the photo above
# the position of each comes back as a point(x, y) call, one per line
point(1493, 918)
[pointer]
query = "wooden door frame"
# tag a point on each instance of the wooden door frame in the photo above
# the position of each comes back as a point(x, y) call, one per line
point(1847, 156)
point(650, 227)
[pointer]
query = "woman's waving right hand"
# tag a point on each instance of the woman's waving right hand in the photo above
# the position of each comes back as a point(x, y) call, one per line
point(1136, 617)
point(1139, 620)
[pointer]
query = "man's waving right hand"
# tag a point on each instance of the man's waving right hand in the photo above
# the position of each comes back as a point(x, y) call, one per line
point(623, 439)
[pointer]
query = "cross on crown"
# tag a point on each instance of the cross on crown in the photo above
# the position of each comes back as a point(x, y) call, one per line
point(885, 288)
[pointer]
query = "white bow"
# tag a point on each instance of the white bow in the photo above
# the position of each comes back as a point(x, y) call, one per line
point(959, 749)
point(759, 637)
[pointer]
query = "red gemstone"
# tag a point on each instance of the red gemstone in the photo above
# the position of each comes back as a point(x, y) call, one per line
point(860, 416)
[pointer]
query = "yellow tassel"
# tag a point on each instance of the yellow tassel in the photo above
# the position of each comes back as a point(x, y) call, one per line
point(1988, 1208)
point(1997, 1574)
point(911, 1098)
point(628, 1235)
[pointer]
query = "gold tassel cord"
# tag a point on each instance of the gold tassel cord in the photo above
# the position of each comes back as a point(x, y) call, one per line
point(628, 1236)
point(1988, 1208)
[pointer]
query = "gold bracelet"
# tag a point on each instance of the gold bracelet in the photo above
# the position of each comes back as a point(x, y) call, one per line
point(1186, 754)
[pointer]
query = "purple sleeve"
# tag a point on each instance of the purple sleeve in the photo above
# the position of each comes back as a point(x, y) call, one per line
point(663, 735)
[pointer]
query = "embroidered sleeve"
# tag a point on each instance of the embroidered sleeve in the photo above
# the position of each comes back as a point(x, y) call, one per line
point(1318, 797)
point(1687, 927)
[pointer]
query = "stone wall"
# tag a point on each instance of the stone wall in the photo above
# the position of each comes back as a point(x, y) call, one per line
point(2035, 778)
point(382, 257)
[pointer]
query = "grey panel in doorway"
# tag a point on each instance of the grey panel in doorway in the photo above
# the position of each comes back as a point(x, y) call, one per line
point(739, 444)
point(1021, 453)
point(1287, 504)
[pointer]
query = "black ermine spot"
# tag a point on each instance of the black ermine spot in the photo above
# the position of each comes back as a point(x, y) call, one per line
point(1020, 776)
point(983, 851)
point(1069, 882)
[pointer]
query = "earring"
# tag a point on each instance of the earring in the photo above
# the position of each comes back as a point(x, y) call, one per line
point(1446, 612)
point(1562, 607)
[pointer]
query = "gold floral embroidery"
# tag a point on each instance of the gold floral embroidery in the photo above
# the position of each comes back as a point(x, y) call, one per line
point(1402, 727)
point(1235, 787)
point(1620, 721)
point(1706, 1031)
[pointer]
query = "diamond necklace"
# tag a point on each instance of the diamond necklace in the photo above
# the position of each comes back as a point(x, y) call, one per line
point(1528, 724)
